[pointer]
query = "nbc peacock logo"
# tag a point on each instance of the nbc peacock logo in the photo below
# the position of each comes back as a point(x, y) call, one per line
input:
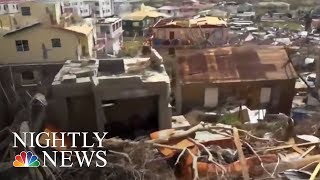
point(26, 159)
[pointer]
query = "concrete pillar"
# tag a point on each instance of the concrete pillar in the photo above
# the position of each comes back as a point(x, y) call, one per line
point(164, 117)
point(61, 113)
point(178, 98)
point(100, 118)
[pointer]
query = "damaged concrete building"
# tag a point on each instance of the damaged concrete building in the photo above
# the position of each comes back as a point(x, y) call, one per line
point(260, 77)
point(125, 97)
point(180, 33)
point(172, 34)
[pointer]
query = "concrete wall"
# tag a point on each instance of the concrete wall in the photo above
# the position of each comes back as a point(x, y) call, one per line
point(68, 49)
point(106, 90)
point(87, 41)
point(46, 13)
point(282, 93)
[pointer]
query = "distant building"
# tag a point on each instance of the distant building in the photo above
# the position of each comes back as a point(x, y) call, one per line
point(56, 44)
point(260, 77)
point(138, 22)
point(245, 7)
point(86, 8)
point(170, 34)
point(9, 6)
point(110, 33)
point(101, 8)
point(77, 7)
point(29, 12)
point(214, 13)
point(172, 11)
point(185, 9)
point(262, 8)
point(124, 7)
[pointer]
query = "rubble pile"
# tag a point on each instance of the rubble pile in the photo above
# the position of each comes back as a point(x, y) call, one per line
point(273, 148)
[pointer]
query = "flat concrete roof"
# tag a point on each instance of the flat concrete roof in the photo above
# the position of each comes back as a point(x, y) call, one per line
point(86, 71)
point(108, 20)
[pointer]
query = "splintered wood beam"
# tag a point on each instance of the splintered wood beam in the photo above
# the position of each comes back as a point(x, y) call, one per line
point(242, 158)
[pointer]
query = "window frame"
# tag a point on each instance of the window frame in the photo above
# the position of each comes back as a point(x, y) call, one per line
point(136, 24)
point(22, 45)
point(23, 12)
point(113, 27)
point(27, 78)
point(107, 28)
point(56, 43)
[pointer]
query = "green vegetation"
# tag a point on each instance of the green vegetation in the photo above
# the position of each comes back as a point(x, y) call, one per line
point(230, 119)
point(130, 48)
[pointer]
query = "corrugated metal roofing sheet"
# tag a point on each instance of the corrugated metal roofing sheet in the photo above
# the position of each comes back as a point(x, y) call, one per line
point(235, 64)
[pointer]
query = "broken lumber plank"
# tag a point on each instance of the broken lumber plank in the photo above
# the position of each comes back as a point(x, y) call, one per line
point(298, 150)
point(307, 151)
point(293, 164)
point(287, 146)
point(315, 172)
point(242, 158)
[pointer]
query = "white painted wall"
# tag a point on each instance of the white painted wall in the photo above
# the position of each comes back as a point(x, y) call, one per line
point(9, 8)
point(79, 7)
point(102, 8)
point(211, 97)
point(13, 8)
point(114, 36)
point(265, 94)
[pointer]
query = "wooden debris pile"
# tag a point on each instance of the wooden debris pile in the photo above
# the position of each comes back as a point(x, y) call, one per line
point(226, 152)
point(204, 151)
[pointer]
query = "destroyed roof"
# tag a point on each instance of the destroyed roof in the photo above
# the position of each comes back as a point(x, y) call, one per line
point(201, 21)
point(235, 64)
point(208, 20)
point(84, 28)
point(84, 71)
point(140, 15)
point(108, 20)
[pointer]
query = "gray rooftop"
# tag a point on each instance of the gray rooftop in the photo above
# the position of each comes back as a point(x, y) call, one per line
point(94, 70)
